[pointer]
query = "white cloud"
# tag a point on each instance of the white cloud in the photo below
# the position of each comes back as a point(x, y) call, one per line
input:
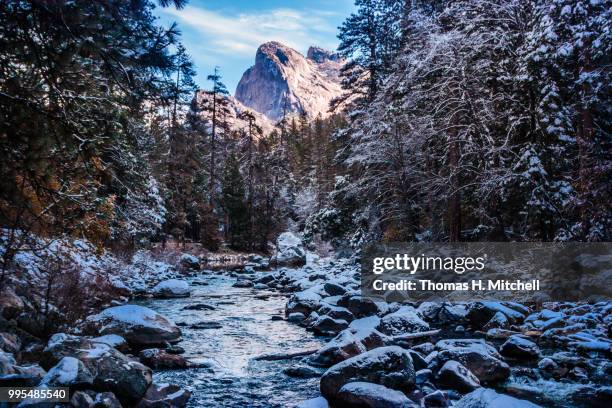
point(241, 34)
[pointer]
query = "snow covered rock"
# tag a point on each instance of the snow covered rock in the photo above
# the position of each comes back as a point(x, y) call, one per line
point(303, 302)
point(326, 325)
point(360, 306)
point(113, 340)
point(172, 288)
point(9, 343)
point(333, 289)
point(477, 356)
point(164, 395)
point(160, 359)
point(139, 325)
point(289, 250)
point(488, 398)
point(190, 262)
point(389, 366)
point(480, 313)
point(442, 313)
point(348, 343)
point(243, 283)
point(69, 372)
point(455, 376)
point(405, 320)
point(111, 370)
point(336, 312)
point(282, 80)
point(369, 395)
point(7, 361)
point(520, 347)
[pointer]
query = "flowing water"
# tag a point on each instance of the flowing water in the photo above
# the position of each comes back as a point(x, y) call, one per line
point(235, 378)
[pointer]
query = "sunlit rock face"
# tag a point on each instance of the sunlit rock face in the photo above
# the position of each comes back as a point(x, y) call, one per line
point(283, 80)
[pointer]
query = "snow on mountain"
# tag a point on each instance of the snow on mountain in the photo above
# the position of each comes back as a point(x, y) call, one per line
point(283, 79)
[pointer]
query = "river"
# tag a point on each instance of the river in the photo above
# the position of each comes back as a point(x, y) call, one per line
point(247, 330)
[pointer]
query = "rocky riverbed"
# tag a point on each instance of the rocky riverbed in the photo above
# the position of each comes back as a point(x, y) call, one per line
point(302, 336)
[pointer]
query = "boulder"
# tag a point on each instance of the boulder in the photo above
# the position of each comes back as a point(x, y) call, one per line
point(480, 313)
point(69, 372)
point(368, 395)
point(348, 343)
point(389, 366)
point(199, 306)
point(296, 317)
point(140, 326)
point(7, 362)
point(360, 306)
point(172, 288)
point(11, 305)
point(243, 283)
point(455, 376)
point(106, 400)
point(519, 347)
point(326, 326)
point(289, 250)
point(9, 343)
point(190, 262)
point(477, 356)
point(405, 320)
point(81, 399)
point(436, 399)
point(442, 313)
point(336, 312)
point(111, 370)
point(113, 340)
point(303, 302)
point(333, 289)
point(164, 395)
point(160, 359)
point(488, 398)
point(302, 371)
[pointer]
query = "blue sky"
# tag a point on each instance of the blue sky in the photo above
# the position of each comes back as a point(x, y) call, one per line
point(227, 33)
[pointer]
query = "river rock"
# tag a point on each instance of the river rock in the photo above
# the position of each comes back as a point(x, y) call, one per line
point(139, 325)
point(190, 262)
point(172, 288)
point(302, 371)
point(68, 372)
point(106, 400)
point(81, 399)
point(336, 312)
point(360, 306)
point(160, 359)
point(389, 366)
point(488, 398)
point(519, 347)
point(405, 320)
point(9, 343)
point(334, 289)
point(442, 313)
point(112, 370)
point(164, 395)
point(369, 395)
point(326, 326)
point(436, 399)
point(199, 306)
point(7, 361)
point(480, 313)
point(113, 340)
point(454, 375)
point(303, 302)
point(348, 343)
point(477, 356)
point(243, 283)
point(289, 250)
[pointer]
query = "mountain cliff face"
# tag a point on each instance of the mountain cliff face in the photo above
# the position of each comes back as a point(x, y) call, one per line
point(282, 79)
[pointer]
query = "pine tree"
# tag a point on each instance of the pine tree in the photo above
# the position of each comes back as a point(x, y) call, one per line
point(235, 205)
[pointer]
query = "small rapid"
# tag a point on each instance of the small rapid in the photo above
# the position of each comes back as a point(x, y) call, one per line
point(238, 328)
